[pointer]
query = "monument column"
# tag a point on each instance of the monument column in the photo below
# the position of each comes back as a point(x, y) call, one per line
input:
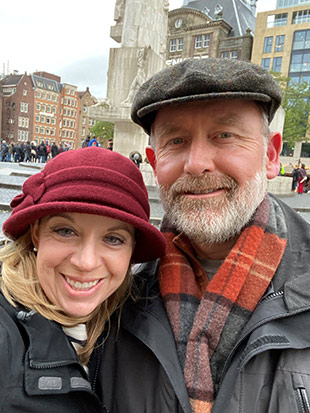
point(141, 28)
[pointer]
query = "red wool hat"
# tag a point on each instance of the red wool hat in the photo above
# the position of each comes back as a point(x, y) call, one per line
point(90, 181)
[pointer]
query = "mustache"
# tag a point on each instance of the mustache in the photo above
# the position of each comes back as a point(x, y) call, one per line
point(201, 183)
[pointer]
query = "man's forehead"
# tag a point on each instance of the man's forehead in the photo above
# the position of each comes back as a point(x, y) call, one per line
point(167, 120)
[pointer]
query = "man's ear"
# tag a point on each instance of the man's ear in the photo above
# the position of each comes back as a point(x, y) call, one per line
point(150, 153)
point(273, 152)
point(34, 229)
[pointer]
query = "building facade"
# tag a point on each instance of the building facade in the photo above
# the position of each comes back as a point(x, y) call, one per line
point(282, 44)
point(206, 28)
point(46, 94)
point(38, 107)
point(17, 107)
point(85, 121)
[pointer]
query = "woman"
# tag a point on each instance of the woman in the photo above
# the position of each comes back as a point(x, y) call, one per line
point(76, 229)
point(302, 177)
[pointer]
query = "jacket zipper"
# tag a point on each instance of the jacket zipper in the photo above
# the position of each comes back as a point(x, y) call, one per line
point(302, 401)
point(227, 363)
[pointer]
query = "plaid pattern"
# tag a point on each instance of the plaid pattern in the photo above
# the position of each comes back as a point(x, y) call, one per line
point(208, 317)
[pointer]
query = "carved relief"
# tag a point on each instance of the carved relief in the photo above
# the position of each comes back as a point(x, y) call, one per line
point(119, 10)
point(140, 77)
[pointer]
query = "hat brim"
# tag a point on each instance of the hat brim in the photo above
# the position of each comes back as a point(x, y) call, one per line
point(150, 243)
point(145, 116)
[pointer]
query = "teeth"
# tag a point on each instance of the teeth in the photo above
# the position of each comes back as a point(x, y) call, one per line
point(81, 286)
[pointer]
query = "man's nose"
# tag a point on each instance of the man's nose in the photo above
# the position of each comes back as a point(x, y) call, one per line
point(200, 157)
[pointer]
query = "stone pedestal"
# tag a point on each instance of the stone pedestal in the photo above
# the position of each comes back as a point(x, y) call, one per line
point(141, 27)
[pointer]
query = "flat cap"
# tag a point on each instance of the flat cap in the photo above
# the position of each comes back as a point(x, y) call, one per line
point(205, 79)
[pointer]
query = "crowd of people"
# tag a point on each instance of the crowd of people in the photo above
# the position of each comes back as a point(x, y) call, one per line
point(29, 151)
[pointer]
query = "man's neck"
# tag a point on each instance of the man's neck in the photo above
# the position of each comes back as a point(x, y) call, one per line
point(214, 251)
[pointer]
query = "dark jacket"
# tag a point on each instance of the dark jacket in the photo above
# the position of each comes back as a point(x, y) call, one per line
point(267, 372)
point(40, 371)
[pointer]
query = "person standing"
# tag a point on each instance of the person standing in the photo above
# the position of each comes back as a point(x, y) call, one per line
point(302, 178)
point(225, 319)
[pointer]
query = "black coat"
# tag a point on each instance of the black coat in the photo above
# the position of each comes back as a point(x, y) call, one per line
point(40, 371)
point(268, 370)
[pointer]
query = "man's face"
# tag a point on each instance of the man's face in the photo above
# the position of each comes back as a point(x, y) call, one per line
point(211, 164)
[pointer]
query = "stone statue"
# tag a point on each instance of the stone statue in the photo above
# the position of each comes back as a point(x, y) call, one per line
point(119, 10)
point(139, 79)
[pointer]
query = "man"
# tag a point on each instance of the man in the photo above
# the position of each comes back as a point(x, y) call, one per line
point(235, 280)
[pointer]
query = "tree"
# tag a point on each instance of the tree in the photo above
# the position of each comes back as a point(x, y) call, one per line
point(103, 131)
point(296, 104)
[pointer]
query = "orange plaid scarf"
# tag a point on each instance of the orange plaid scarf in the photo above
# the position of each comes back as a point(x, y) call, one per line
point(208, 317)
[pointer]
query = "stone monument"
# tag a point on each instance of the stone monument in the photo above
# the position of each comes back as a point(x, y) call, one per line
point(141, 29)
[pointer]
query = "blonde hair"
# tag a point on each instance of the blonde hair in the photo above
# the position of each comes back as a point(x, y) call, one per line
point(20, 285)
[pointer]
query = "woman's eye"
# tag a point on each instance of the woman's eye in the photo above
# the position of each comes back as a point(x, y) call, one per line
point(64, 232)
point(113, 240)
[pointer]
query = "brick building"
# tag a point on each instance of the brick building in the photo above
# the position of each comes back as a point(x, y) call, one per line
point(39, 107)
point(17, 107)
point(47, 89)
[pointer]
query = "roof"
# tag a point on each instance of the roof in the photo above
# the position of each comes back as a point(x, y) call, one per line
point(11, 80)
point(239, 14)
point(45, 83)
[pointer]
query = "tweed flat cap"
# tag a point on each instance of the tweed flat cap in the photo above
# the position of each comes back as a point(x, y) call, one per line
point(205, 79)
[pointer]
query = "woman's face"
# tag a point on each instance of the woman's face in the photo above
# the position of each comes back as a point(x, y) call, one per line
point(82, 259)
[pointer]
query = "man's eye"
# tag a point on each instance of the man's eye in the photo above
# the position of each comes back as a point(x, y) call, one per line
point(177, 141)
point(225, 135)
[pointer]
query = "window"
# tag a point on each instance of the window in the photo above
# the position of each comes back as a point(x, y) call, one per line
point(301, 40)
point(37, 118)
point(43, 95)
point(206, 40)
point(198, 42)
point(53, 121)
point(180, 44)
point(43, 131)
point(43, 108)
point(279, 44)
point(234, 54)
point(38, 106)
point(225, 55)
point(300, 62)
point(25, 92)
point(301, 16)
point(43, 119)
point(266, 63)
point(38, 94)
point(268, 44)
point(37, 129)
point(276, 65)
point(277, 20)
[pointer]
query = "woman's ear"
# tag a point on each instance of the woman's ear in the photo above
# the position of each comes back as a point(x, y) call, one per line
point(34, 229)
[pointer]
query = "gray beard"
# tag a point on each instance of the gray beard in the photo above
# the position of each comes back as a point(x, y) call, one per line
point(214, 220)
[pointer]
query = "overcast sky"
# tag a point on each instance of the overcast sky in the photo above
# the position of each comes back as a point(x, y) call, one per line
point(66, 37)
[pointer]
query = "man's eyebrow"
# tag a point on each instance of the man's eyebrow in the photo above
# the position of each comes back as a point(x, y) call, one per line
point(166, 129)
point(228, 119)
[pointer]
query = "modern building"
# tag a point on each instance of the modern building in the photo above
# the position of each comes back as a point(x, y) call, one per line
point(209, 28)
point(282, 44)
